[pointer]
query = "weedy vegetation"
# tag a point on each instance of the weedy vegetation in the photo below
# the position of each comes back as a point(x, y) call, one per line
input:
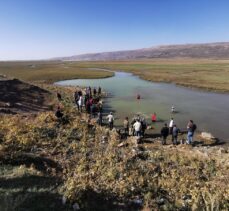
point(48, 164)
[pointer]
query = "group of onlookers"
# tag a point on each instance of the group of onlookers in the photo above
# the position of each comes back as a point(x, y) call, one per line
point(174, 131)
point(91, 100)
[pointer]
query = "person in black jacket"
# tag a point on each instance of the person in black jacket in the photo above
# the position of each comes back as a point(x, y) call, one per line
point(164, 134)
point(58, 113)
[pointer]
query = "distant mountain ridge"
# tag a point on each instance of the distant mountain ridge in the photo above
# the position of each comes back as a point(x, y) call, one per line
point(218, 50)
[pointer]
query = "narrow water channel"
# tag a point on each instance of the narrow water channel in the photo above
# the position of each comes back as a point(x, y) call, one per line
point(210, 111)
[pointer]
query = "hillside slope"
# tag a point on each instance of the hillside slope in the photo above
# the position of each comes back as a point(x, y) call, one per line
point(209, 50)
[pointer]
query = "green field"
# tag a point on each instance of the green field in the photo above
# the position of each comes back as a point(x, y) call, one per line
point(48, 71)
point(205, 74)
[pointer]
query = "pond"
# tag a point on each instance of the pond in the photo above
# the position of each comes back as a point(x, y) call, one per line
point(208, 110)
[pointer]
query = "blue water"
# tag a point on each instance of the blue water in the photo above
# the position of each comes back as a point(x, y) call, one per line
point(208, 110)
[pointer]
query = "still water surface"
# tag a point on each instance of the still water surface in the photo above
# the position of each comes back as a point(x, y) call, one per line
point(210, 111)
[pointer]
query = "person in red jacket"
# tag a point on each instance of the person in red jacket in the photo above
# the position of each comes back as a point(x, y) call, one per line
point(154, 117)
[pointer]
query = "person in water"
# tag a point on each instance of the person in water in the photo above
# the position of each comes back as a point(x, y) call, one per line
point(172, 109)
point(138, 97)
point(154, 117)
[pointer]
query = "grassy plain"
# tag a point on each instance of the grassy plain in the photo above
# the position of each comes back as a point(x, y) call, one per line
point(48, 72)
point(206, 74)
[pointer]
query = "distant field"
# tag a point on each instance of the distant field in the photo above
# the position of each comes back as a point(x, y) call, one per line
point(206, 74)
point(48, 71)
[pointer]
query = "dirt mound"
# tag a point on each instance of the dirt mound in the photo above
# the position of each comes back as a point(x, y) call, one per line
point(17, 97)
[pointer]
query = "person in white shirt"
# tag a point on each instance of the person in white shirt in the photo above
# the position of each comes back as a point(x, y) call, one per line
point(80, 103)
point(137, 127)
point(173, 109)
point(171, 123)
point(110, 118)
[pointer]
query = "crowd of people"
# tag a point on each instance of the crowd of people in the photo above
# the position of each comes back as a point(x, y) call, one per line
point(91, 101)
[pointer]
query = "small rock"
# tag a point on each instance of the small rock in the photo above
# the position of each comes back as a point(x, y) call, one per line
point(75, 206)
point(64, 200)
point(161, 201)
point(207, 136)
point(104, 138)
point(187, 197)
point(138, 201)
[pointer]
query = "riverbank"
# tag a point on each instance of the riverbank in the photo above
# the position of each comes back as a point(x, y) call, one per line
point(47, 164)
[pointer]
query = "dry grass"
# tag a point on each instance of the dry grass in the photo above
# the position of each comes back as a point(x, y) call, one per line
point(100, 175)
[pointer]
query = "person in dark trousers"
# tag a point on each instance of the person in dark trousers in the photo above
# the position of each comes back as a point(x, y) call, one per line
point(58, 113)
point(143, 126)
point(100, 118)
point(126, 126)
point(94, 91)
point(80, 93)
point(59, 97)
point(88, 106)
point(99, 90)
point(164, 134)
point(93, 108)
point(175, 135)
point(110, 118)
point(89, 91)
point(76, 97)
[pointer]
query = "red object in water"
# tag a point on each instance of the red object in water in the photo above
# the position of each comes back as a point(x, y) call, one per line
point(138, 97)
point(154, 118)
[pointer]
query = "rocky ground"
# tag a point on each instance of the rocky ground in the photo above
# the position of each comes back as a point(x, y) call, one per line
point(75, 164)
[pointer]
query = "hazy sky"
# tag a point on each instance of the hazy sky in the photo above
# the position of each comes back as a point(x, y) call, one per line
point(38, 29)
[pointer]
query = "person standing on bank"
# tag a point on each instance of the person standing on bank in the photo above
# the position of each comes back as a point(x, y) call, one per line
point(80, 102)
point(171, 123)
point(126, 126)
point(175, 134)
point(137, 128)
point(110, 118)
point(191, 129)
point(164, 134)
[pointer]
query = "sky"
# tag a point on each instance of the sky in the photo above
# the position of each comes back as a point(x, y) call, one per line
point(41, 29)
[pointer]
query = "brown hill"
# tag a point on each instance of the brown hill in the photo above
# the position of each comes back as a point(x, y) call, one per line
point(209, 50)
